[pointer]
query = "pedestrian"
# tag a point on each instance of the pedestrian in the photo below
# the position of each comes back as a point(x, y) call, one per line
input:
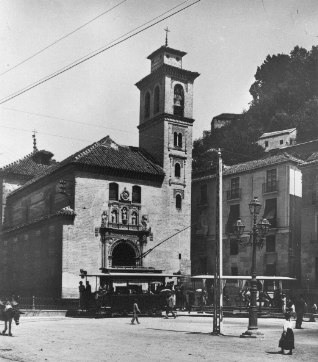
point(88, 293)
point(300, 308)
point(170, 306)
point(314, 308)
point(135, 312)
point(81, 290)
point(287, 338)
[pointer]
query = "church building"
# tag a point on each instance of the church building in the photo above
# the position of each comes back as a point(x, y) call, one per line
point(107, 205)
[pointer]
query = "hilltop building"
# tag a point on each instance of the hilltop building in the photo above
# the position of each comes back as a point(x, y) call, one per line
point(106, 205)
point(278, 139)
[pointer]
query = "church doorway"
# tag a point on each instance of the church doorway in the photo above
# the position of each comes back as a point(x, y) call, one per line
point(123, 255)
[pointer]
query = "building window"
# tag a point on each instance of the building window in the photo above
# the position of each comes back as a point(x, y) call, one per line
point(177, 170)
point(234, 270)
point(156, 99)
point(180, 140)
point(177, 139)
point(235, 188)
point(271, 212)
point(178, 202)
point(266, 144)
point(204, 194)
point(271, 180)
point(136, 194)
point(178, 100)
point(113, 191)
point(281, 142)
point(270, 243)
point(147, 104)
point(233, 216)
point(233, 247)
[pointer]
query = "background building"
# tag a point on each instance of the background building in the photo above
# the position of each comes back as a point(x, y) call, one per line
point(276, 181)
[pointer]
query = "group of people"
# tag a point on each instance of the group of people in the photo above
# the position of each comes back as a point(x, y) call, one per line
point(85, 295)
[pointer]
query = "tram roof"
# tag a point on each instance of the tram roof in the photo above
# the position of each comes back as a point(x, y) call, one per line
point(131, 275)
point(246, 277)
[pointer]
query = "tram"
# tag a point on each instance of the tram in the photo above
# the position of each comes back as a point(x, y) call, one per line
point(117, 288)
point(270, 288)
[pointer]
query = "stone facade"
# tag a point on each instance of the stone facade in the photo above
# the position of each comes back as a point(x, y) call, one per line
point(106, 205)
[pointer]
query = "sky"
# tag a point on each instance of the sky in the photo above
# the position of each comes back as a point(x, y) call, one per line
point(225, 41)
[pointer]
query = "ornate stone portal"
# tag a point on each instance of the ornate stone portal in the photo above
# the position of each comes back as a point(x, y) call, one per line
point(127, 234)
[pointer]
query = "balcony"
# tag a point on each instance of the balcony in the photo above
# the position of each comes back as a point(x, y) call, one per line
point(233, 194)
point(269, 187)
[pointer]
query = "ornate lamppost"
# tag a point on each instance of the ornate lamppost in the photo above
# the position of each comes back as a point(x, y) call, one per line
point(257, 237)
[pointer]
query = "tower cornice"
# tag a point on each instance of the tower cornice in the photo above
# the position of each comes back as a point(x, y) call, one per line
point(166, 69)
point(165, 117)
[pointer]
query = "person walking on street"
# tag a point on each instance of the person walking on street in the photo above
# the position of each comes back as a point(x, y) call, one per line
point(81, 290)
point(287, 340)
point(300, 308)
point(135, 312)
point(170, 306)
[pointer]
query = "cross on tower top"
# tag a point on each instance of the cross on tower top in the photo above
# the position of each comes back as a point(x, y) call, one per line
point(167, 31)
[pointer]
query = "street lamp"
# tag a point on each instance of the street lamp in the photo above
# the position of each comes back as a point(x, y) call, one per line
point(258, 235)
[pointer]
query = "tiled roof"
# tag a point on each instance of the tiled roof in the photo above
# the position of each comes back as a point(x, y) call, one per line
point(26, 167)
point(111, 157)
point(277, 133)
point(252, 165)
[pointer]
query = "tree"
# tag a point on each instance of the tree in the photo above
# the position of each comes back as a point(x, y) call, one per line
point(285, 95)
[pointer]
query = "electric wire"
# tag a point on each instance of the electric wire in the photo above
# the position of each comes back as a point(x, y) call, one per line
point(53, 75)
point(57, 41)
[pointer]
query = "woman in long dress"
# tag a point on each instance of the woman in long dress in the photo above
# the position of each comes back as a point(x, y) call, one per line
point(287, 339)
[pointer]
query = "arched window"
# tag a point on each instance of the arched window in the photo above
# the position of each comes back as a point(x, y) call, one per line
point(147, 104)
point(156, 99)
point(113, 191)
point(178, 202)
point(180, 139)
point(136, 194)
point(175, 139)
point(177, 170)
point(178, 100)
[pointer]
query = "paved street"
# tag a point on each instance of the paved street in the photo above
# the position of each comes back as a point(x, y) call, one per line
point(155, 339)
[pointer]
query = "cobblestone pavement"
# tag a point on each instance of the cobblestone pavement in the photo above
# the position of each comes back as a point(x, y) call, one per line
point(186, 338)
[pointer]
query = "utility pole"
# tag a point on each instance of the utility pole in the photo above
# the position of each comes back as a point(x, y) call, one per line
point(218, 252)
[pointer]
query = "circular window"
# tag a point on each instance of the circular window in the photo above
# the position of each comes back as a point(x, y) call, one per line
point(178, 59)
point(167, 55)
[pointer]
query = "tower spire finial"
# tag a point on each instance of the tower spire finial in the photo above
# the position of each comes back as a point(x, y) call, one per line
point(167, 31)
point(34, 141)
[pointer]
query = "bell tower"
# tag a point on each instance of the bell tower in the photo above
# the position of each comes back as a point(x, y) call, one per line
point(166, 107)
point(165, 132)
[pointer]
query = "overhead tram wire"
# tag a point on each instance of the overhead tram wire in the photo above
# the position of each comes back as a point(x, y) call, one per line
point(53, 75)
point(57, 41)
point(86, 57)
point(171, 236)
